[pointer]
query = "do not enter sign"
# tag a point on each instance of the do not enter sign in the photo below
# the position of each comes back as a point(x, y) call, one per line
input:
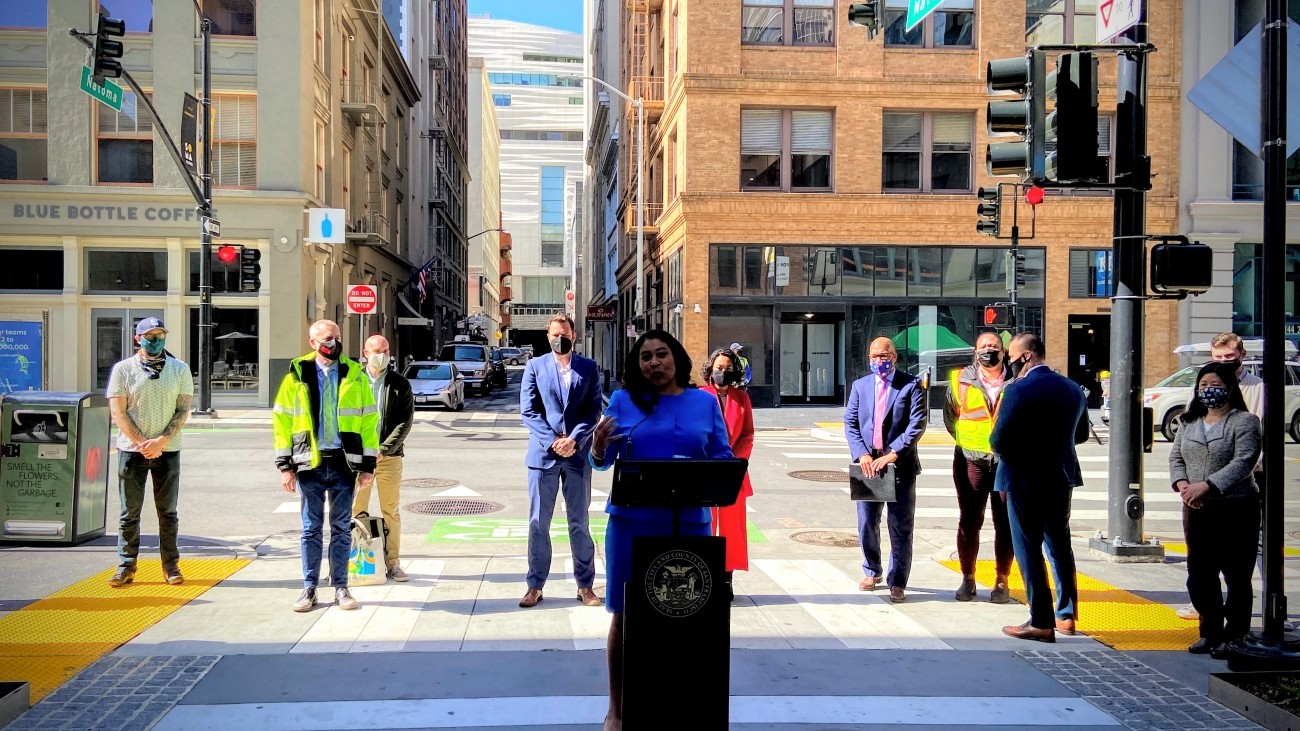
point(362, 299)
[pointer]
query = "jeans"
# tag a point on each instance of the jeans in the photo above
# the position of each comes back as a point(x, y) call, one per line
point(975, 490)
point(1041, 519)
point(543, 487)
point(335, 480)
point(132, 469)
point(902, 518)
point(1220, 541)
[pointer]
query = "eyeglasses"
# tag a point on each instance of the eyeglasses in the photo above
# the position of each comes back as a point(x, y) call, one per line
point(882, 356)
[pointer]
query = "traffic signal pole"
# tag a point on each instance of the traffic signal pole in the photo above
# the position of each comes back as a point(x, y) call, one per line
point(204, 407)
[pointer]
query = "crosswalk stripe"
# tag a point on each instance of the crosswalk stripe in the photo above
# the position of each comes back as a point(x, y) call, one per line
point(294, 506)
point(458, 491)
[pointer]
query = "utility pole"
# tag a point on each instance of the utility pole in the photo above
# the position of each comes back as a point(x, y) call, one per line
point(1273, 648)
point(205, 238)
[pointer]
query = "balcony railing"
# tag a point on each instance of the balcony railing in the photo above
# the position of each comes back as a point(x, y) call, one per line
point(362, 102)
point(652, 213)
point(648, 88)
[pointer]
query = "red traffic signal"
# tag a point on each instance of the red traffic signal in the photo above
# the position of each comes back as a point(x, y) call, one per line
point(227, 254)
point(1034, 195)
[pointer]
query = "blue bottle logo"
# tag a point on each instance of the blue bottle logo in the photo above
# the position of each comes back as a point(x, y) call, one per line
point(326, 227)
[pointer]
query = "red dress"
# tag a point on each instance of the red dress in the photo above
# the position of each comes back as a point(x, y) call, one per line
point(730, 522)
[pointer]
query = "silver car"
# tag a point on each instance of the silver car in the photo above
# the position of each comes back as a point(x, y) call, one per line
point(434, 383)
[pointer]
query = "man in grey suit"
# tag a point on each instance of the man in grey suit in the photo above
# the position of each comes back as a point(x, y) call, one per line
point(560, 403)
point(1042, 417)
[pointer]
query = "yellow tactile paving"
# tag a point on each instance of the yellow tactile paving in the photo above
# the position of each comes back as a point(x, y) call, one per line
point(50, 640)
point(1115, 617)
point(929, 438)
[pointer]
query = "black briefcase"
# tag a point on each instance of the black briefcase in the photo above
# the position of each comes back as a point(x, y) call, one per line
point(878, 489)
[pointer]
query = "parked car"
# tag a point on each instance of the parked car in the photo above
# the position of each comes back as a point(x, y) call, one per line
point(471, 359)
point(515, 356)
point(497, 368)
point(1168, 399)
point(528, 349)
point(435, 383)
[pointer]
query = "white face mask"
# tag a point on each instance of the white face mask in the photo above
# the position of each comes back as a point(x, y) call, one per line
point(378, 361)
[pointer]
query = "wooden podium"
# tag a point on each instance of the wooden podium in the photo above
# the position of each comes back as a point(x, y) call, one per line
point(677, 615)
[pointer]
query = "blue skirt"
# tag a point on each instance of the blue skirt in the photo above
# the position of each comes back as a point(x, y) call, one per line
point(628, 523)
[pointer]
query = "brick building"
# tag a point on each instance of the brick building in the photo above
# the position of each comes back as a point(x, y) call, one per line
point(809, 189)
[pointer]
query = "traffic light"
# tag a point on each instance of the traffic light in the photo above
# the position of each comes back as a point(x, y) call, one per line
point(250, 270)
point(1181, 268)
point(1071, 129)
point(107, 50)
point(867, 15)
point(1025, 117)
point(1017, 268)
point(227, 254)
point(999, 315)
point(990, 211)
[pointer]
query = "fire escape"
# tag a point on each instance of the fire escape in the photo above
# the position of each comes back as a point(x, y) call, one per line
point(362, 106)
point(644, 80)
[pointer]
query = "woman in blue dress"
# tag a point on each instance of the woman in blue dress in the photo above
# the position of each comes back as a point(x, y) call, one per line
point(656, 415)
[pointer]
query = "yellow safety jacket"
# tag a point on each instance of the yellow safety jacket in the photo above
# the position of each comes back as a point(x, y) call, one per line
point(297, 404)
point(968, 414)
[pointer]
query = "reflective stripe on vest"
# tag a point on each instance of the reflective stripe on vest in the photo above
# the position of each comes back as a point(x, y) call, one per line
point(974, 424)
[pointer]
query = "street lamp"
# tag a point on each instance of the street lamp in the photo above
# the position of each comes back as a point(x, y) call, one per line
point(640, 182)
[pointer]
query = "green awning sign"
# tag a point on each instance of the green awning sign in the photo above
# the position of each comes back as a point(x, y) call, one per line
point(107, 92)
point(917, 10)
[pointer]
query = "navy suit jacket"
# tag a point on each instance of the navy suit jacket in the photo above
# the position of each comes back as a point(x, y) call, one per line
point(1041, 417)
point(551, 411)
point(904, 420)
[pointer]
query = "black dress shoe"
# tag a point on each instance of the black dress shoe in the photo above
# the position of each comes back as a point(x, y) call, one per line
point(1203, 646)
point(1220, 651)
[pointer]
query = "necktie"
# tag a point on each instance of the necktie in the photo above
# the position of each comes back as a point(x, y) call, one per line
point(329, 412)
point(878, 431)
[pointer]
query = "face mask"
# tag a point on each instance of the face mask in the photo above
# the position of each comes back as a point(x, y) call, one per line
point(882, 368)
point(378, 361)
point(1213, 396)
point(154, 347)
point(989, 358)
point(1017, 365)
point(721, 378)
point(330, 349)
point(561, 345)
point(1234, 364)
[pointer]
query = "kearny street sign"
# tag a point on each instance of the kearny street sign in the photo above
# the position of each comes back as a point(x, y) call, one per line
point(107, 92)
point(917, 10)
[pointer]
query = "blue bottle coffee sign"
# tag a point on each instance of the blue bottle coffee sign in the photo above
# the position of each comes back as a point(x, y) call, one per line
point(326, 225)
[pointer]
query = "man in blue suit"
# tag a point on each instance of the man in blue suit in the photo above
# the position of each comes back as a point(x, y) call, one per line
point(1042, 416)
point(560, 404)
point(883, 421)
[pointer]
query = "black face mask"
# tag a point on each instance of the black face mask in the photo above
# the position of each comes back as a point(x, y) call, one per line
point(721, 378)
point(330, 349)
point(1016, 366)
point(1234, 364)
point(561, 345)
point(989, 358)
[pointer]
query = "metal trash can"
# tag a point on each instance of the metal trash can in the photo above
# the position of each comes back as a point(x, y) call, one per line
point(53, 468)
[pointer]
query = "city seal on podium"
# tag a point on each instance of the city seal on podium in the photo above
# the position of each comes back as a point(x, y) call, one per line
point(678, 583)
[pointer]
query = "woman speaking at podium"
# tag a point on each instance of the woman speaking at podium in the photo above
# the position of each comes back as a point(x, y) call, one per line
point(656, 415)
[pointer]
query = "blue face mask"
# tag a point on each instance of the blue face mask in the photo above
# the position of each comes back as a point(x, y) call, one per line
point(153, 347)
point(882, 368)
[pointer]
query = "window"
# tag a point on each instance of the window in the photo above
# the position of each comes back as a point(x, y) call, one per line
point(1090, 273)
point(552, 216)
point(138, 14)
point(126, 271)
point(345, 54)
point(501, 100)
point(234, 140)
point(319, 153)
point(785, 149)
point(543, 135)
point(347, 182)
point(510, 79)
point(725, 267)
point(927, 152)
point(23, 129)
point(951, 26)
point(1248, 175)
point(31, 269)
point(547, 58)
point(318, 25)
point(545, 290)
point(232, 17)
point(575, 101)
point(788, 22)
point(1056, 22)
point(125, 145)
point(23, 16)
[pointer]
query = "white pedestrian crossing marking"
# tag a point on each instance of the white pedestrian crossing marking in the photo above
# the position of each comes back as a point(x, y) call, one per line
point(458, 491)
point(294, 506)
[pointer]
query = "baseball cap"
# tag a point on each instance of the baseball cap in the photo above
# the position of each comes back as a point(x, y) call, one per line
point(147, 324)
point(735, 346)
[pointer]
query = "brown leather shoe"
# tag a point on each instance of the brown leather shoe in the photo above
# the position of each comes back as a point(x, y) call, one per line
point(896, 594)
point(589, 598)
point(1066, 627)
point(531, 598)
point(966, 591)
point(1027, 631)
point(870, 583)
point(1001, 594)
point(344, 600)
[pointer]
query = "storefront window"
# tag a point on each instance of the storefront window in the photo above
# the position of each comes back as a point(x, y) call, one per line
point(31, 269)
point(235, 348)
point(126, 271)
point(749, 325)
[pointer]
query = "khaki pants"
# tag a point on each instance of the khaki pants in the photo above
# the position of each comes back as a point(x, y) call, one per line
point(388, 476)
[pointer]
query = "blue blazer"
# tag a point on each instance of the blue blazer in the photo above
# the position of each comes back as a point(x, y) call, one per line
point(551, 411)
point(904, 420)
point(1041, 417)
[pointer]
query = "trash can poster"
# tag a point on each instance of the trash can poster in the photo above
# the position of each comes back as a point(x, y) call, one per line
point(21, 346)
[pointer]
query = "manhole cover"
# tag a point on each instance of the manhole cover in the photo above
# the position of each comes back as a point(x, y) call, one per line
point(833, 539)
point(430, 482)
point(821, 475)
point(453, 506)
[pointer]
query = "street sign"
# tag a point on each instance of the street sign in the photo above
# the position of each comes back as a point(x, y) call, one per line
point(107, 93)
point(918, 9)
point(1115, 17)
point(414, 321)
point(327, 225)
point(1230, 93)
point(570, 304)
point(600, 313)
point(362, 299)
point(210, 226)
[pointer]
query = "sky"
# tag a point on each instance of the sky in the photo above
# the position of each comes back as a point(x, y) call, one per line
point(562, 14)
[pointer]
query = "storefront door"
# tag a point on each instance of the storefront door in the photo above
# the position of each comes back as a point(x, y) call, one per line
point(809, 362)
point(114, 338)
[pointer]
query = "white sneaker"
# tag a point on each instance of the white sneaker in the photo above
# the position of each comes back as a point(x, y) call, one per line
point(1189, 613)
